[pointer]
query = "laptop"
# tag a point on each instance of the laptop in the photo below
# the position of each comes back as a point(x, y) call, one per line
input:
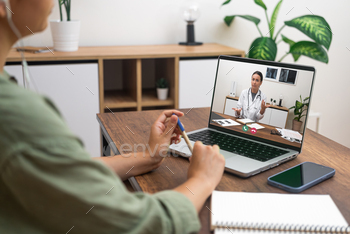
point(253, 146)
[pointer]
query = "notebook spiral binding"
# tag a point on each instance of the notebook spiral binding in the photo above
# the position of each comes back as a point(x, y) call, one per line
point(283, 228)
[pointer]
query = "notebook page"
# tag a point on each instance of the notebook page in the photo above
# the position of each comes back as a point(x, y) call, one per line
point(271, 208)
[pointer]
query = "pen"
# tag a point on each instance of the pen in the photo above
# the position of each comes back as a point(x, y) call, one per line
point(183, 132)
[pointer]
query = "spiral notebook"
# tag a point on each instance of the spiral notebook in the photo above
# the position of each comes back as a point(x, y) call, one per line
point(241, 212)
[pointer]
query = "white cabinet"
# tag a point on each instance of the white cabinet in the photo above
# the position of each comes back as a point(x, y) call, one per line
point(278, 118)
point(15, 71)
point(74, 90)
point(229, 104)
point(196, 82)
point(267, 116)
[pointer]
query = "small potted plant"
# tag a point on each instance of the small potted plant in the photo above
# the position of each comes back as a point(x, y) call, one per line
point(162, 89)
point(299, 109)
point(65, 33)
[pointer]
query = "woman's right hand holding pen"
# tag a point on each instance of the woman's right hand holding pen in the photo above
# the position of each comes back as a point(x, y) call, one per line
point(204, 174)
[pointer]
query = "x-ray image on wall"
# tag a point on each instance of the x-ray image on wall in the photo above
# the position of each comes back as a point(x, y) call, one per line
point(288, 76)
point(271, 73)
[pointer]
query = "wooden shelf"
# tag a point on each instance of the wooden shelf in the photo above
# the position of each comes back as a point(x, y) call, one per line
point(149, 98)
point(118, 99)
point(135, 70)
point(130, 52)
point(233, 98)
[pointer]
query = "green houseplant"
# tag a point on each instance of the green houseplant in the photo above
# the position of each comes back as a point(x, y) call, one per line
point(65, 33)
point(66, 4)
point(162, 88)
point(265, 47)
point(299, 109)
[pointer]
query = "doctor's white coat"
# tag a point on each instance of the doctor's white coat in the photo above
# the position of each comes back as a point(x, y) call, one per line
point(245, 100)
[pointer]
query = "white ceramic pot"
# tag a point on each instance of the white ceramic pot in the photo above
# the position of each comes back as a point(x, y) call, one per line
point(65, 35)
point(162, 93)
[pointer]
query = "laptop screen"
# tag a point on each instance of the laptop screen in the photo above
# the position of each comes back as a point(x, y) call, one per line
point(262, 100)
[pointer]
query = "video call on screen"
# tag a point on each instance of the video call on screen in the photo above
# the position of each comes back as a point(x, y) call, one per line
point(280, 88)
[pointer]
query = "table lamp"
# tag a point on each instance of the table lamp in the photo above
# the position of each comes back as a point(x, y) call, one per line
point(281, 99)
point(191, 14)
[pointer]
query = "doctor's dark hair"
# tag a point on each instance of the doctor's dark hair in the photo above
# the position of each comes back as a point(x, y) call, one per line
point(259, 74)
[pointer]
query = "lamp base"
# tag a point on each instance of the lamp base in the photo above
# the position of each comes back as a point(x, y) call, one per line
point(190, 43)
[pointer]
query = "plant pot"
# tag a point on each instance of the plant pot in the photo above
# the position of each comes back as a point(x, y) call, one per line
point(65, 35)
point(162, 93)
point(296, 125)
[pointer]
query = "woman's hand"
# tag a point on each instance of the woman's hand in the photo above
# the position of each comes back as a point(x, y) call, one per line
point(164, 131)
point(204, 174)
point(238, 111)
point(263, 107)
point(206, 164)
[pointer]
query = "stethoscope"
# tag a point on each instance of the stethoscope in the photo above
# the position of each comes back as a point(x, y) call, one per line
point(249, 92)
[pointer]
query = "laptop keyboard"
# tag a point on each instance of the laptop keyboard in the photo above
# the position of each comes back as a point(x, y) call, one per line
point(237, 145)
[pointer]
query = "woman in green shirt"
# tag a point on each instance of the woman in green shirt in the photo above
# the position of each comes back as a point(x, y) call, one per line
point(50, 184)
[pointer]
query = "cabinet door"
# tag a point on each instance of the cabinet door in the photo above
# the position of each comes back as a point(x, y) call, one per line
point(267, 116)
point(278, 118)
point(229, 105)
point(196, 82)
point(74, 90)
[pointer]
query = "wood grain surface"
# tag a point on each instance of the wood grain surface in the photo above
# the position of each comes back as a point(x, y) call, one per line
point(316, 148)
point(130, 52)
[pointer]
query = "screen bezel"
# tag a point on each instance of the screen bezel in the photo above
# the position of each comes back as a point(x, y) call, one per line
point(267, 63)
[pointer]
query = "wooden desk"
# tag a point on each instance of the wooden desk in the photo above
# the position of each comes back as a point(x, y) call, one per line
point(317, 148)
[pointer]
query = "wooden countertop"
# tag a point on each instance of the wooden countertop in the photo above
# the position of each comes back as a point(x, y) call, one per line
point(130, 52)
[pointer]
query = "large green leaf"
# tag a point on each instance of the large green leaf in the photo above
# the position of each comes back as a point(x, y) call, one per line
point(310, 49)
point(263, 48)
point(315, 27)
point(298, 107)
point(226, 2)
point(261, 3)
point(291, 43)
point(274, 17)
point(228, 19)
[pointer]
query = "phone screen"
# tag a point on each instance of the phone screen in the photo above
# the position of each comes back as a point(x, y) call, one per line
point(301, 174)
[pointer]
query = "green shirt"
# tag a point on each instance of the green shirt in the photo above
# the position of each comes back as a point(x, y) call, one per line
point(50, 184)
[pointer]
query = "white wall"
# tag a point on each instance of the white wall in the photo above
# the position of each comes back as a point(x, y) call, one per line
point(110, 22)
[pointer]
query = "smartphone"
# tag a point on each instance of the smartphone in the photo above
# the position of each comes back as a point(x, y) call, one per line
point(300, 177)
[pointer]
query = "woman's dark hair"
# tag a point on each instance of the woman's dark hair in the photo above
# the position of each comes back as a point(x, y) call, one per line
point(259, 74)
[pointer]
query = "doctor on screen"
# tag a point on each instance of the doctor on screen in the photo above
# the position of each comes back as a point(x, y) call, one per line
point(252, 102)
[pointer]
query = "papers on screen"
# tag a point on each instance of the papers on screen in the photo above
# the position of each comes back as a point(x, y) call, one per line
point(255, 125)
point(245, 121)
point(290, 135)
point(226, 122)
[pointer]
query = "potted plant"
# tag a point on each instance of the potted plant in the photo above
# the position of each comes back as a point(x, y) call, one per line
point(265, 46)
point(162, 89)
point(65, 33)
point(299, 109)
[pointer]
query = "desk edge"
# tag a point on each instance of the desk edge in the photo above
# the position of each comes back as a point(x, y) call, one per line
point(132, 180)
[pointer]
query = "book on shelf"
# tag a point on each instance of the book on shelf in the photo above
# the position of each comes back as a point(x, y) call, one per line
point(242, 212)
